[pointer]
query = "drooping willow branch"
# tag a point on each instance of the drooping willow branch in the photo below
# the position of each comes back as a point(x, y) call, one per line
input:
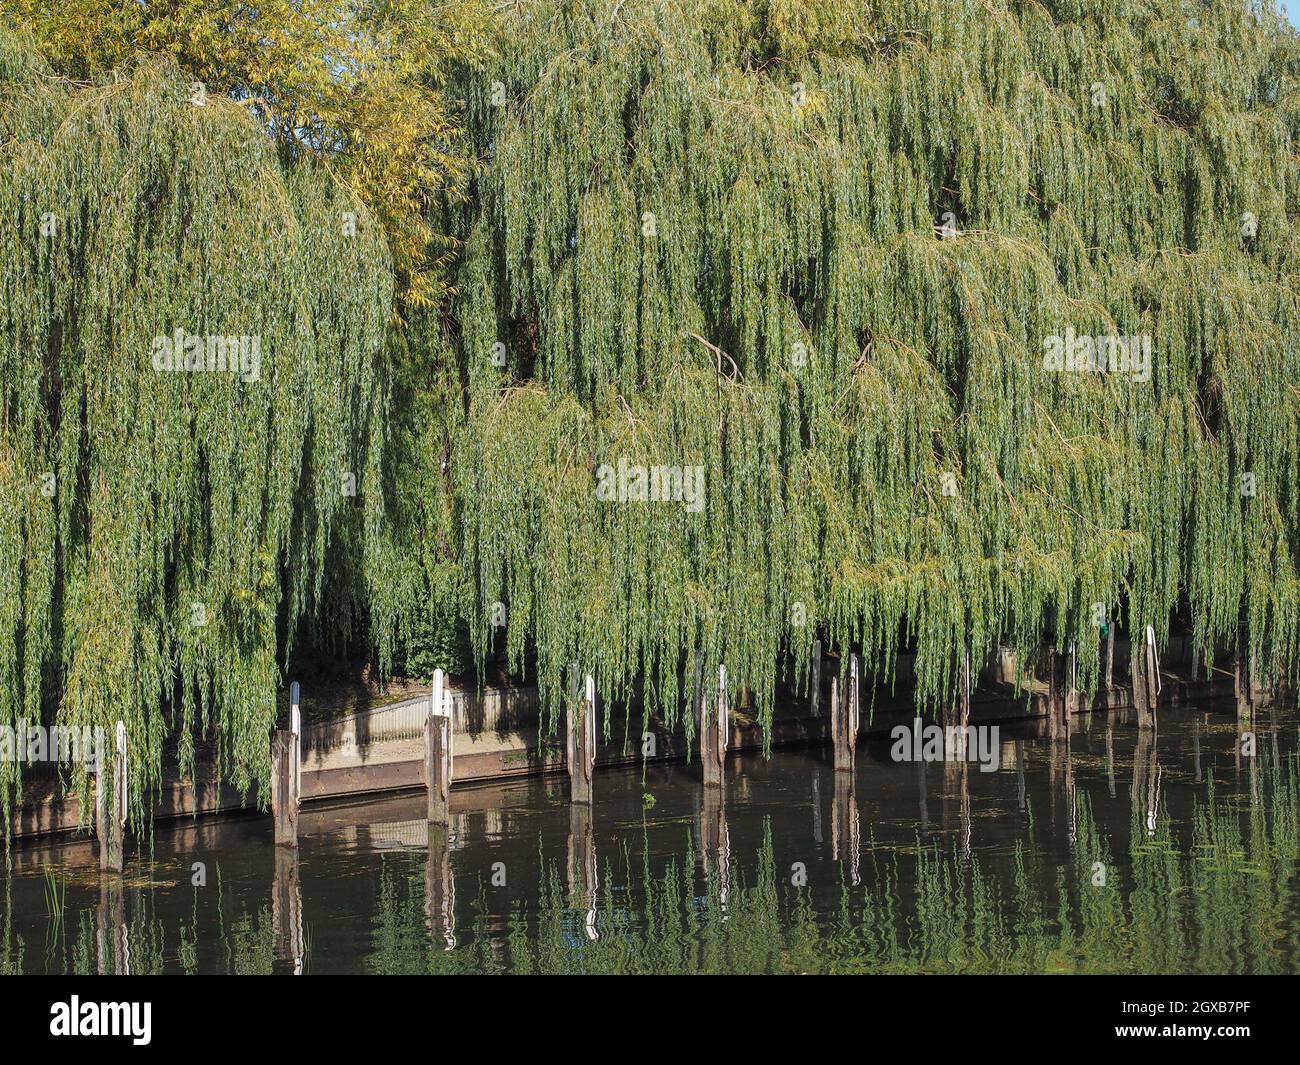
point(188, 342)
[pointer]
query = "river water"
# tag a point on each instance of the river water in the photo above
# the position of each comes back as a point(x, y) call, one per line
point(1178, 852)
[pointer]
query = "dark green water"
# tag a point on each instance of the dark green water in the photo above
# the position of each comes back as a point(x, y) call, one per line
point(1128, 854)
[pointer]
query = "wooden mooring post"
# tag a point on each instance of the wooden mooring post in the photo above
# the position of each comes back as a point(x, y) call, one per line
point(437, 751)
point(835, 702)
point(714, 729)
point(110, 802)
point(815, 695)
point(1064, 695)
point(1070, 696)
point(1108, 659)
point(956, 714)
point(1246, 687)
point(286, 774)
point(845, 718)
point(580, 741)
point(1058, 695)
point(1145, 669)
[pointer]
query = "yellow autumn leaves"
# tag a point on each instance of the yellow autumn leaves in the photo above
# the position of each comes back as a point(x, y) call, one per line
point(354, 82)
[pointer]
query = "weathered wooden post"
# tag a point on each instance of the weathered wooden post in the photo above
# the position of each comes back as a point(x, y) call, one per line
point(814, 699)
point(714, 729)
point(1060, 764)
point(1058, 720)
point(816, 807)
point(286, 774)
point(437, 752)
point(1008, 666)
point(1110, 751)
point(1249, 693)
point(844, 719)
point(295, 726)
point(110, 801)
point(1108, 664)
point(1062, 697)
point(835, 702)
point(1071, 699)
point(956, 715)
point(1241, 682)
point(1145, 668)
point(580, 743)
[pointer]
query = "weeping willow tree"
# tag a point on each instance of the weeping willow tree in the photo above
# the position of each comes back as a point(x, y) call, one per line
point(971, 315)
point(770, 320)
point(191, 404)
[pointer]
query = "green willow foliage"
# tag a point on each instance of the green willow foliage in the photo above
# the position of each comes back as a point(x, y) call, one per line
point(156, 528)
point(713, 233)
point(813, 247)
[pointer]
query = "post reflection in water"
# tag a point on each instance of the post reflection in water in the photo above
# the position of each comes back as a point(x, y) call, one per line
point(440, 888)
point(286, 908)
point(1146, 780)
point(583, 877)
point(846, 829)
point(112, 937)
point(714, 842)
point(1044, 865)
